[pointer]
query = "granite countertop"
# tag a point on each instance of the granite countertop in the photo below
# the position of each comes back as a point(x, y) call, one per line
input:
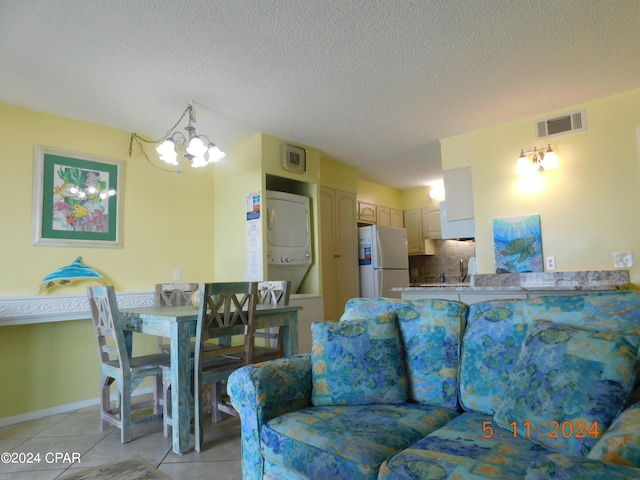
point(538, 281)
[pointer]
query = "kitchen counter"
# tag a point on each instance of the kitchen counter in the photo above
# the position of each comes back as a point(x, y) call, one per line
point(536, 281)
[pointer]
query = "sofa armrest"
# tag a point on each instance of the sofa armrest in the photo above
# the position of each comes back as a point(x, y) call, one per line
point(621, 442)
point(262, 392)
point(558, 466)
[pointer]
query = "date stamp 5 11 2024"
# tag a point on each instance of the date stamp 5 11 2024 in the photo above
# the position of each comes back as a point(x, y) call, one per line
point(577, 429)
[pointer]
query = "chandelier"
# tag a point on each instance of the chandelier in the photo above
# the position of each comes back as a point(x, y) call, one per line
point(197, 149)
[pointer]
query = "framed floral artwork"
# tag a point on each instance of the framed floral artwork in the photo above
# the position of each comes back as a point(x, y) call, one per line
point(77, 199)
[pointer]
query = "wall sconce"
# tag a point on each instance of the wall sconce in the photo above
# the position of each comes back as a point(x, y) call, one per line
point(542, 160)
point(436, 191)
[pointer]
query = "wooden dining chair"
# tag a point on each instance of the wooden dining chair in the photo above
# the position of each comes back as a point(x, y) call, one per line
point(275, 292)
point(226, 310)
point(272, 292)
point(173, 295)
point(118, 367)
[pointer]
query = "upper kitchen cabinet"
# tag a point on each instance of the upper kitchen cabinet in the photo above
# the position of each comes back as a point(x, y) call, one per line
point(367, 213)
point(431, 227)
point(458, 191)
point(396, 218)
point(456, 214)
point(389, 217)
point(413, 224)
point(417, 243)
point(455, 229)
point(383, 216)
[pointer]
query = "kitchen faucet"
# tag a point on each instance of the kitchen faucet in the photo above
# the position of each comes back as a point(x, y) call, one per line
point(463, 273)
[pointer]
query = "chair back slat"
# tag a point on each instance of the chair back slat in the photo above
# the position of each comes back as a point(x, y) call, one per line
point(274, 292)
point(108, 325)
point(227, 309)
point(174, 294)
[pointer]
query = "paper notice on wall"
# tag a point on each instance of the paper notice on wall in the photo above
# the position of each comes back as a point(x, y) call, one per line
point(254, 239)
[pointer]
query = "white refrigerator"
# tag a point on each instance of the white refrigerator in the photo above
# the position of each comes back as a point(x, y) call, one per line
point(384, 261)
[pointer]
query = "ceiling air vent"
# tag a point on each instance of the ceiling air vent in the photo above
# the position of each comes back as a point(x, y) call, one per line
point(560, 125)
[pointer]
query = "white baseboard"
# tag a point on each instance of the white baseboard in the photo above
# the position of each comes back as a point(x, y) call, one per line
point(69, 407)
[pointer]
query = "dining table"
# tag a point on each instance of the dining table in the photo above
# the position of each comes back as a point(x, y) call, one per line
point(179, 325)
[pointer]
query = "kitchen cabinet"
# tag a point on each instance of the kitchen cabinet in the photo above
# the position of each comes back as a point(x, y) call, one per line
point(458, 193)
point(397, 218)
point(367, 213)
point(456, 228)
point(416, 242)
point(431, 225)
point(339, 243)
point(383, 216)
point(413, 224)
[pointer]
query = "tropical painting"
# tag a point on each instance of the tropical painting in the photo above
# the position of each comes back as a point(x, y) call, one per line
point(517, 244)
point(77, 199)
point(80, 200)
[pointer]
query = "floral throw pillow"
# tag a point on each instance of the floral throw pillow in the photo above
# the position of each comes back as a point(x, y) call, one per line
point(357, 362)
point(567, 386)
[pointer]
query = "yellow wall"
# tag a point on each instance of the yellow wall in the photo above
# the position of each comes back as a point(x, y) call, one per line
point(167, 224)
point(380, 195)
point(338, 176)
point(587, 206)
point(418, 198)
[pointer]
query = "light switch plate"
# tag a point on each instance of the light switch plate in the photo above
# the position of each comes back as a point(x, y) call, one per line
point(622, 259)
point(177, 274)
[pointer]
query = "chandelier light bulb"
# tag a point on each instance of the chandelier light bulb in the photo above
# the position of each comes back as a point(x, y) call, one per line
point(215, 154)
point(196, 147)
point(167, 152)
point(198, 161)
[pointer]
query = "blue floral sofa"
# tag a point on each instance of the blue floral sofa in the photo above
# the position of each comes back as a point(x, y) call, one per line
point(434, 389)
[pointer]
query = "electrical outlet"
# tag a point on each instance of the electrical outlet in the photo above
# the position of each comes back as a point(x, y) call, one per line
point(551, 263)
point(177, 274)
point(622, 259)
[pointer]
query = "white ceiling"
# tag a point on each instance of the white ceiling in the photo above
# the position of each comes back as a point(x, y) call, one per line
point(372, 83)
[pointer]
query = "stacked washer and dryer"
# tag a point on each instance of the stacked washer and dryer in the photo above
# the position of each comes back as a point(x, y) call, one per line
point(288, 237)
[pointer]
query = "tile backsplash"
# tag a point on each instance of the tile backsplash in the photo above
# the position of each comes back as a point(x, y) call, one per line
point(427, 268)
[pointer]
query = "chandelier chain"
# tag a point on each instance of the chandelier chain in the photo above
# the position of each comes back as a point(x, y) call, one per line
point(134, 136)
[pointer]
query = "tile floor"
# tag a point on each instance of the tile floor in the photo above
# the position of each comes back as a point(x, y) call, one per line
point(78, 435)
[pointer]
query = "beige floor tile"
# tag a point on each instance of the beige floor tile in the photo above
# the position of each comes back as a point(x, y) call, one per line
point(221, 470)
point(79, 433)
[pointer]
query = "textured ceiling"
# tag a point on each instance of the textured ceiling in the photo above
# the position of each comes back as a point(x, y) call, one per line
point(372, 83)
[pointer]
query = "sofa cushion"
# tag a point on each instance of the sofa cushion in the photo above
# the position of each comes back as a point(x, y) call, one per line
point(621, 442)
point(347, 442)
point(556, 466)
point(431, 339)
point(469, 446)
point(430, 332)
point(358, 362)
point(567, 386)
point(613, 312)
point(359, 308)
point(492, 341)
